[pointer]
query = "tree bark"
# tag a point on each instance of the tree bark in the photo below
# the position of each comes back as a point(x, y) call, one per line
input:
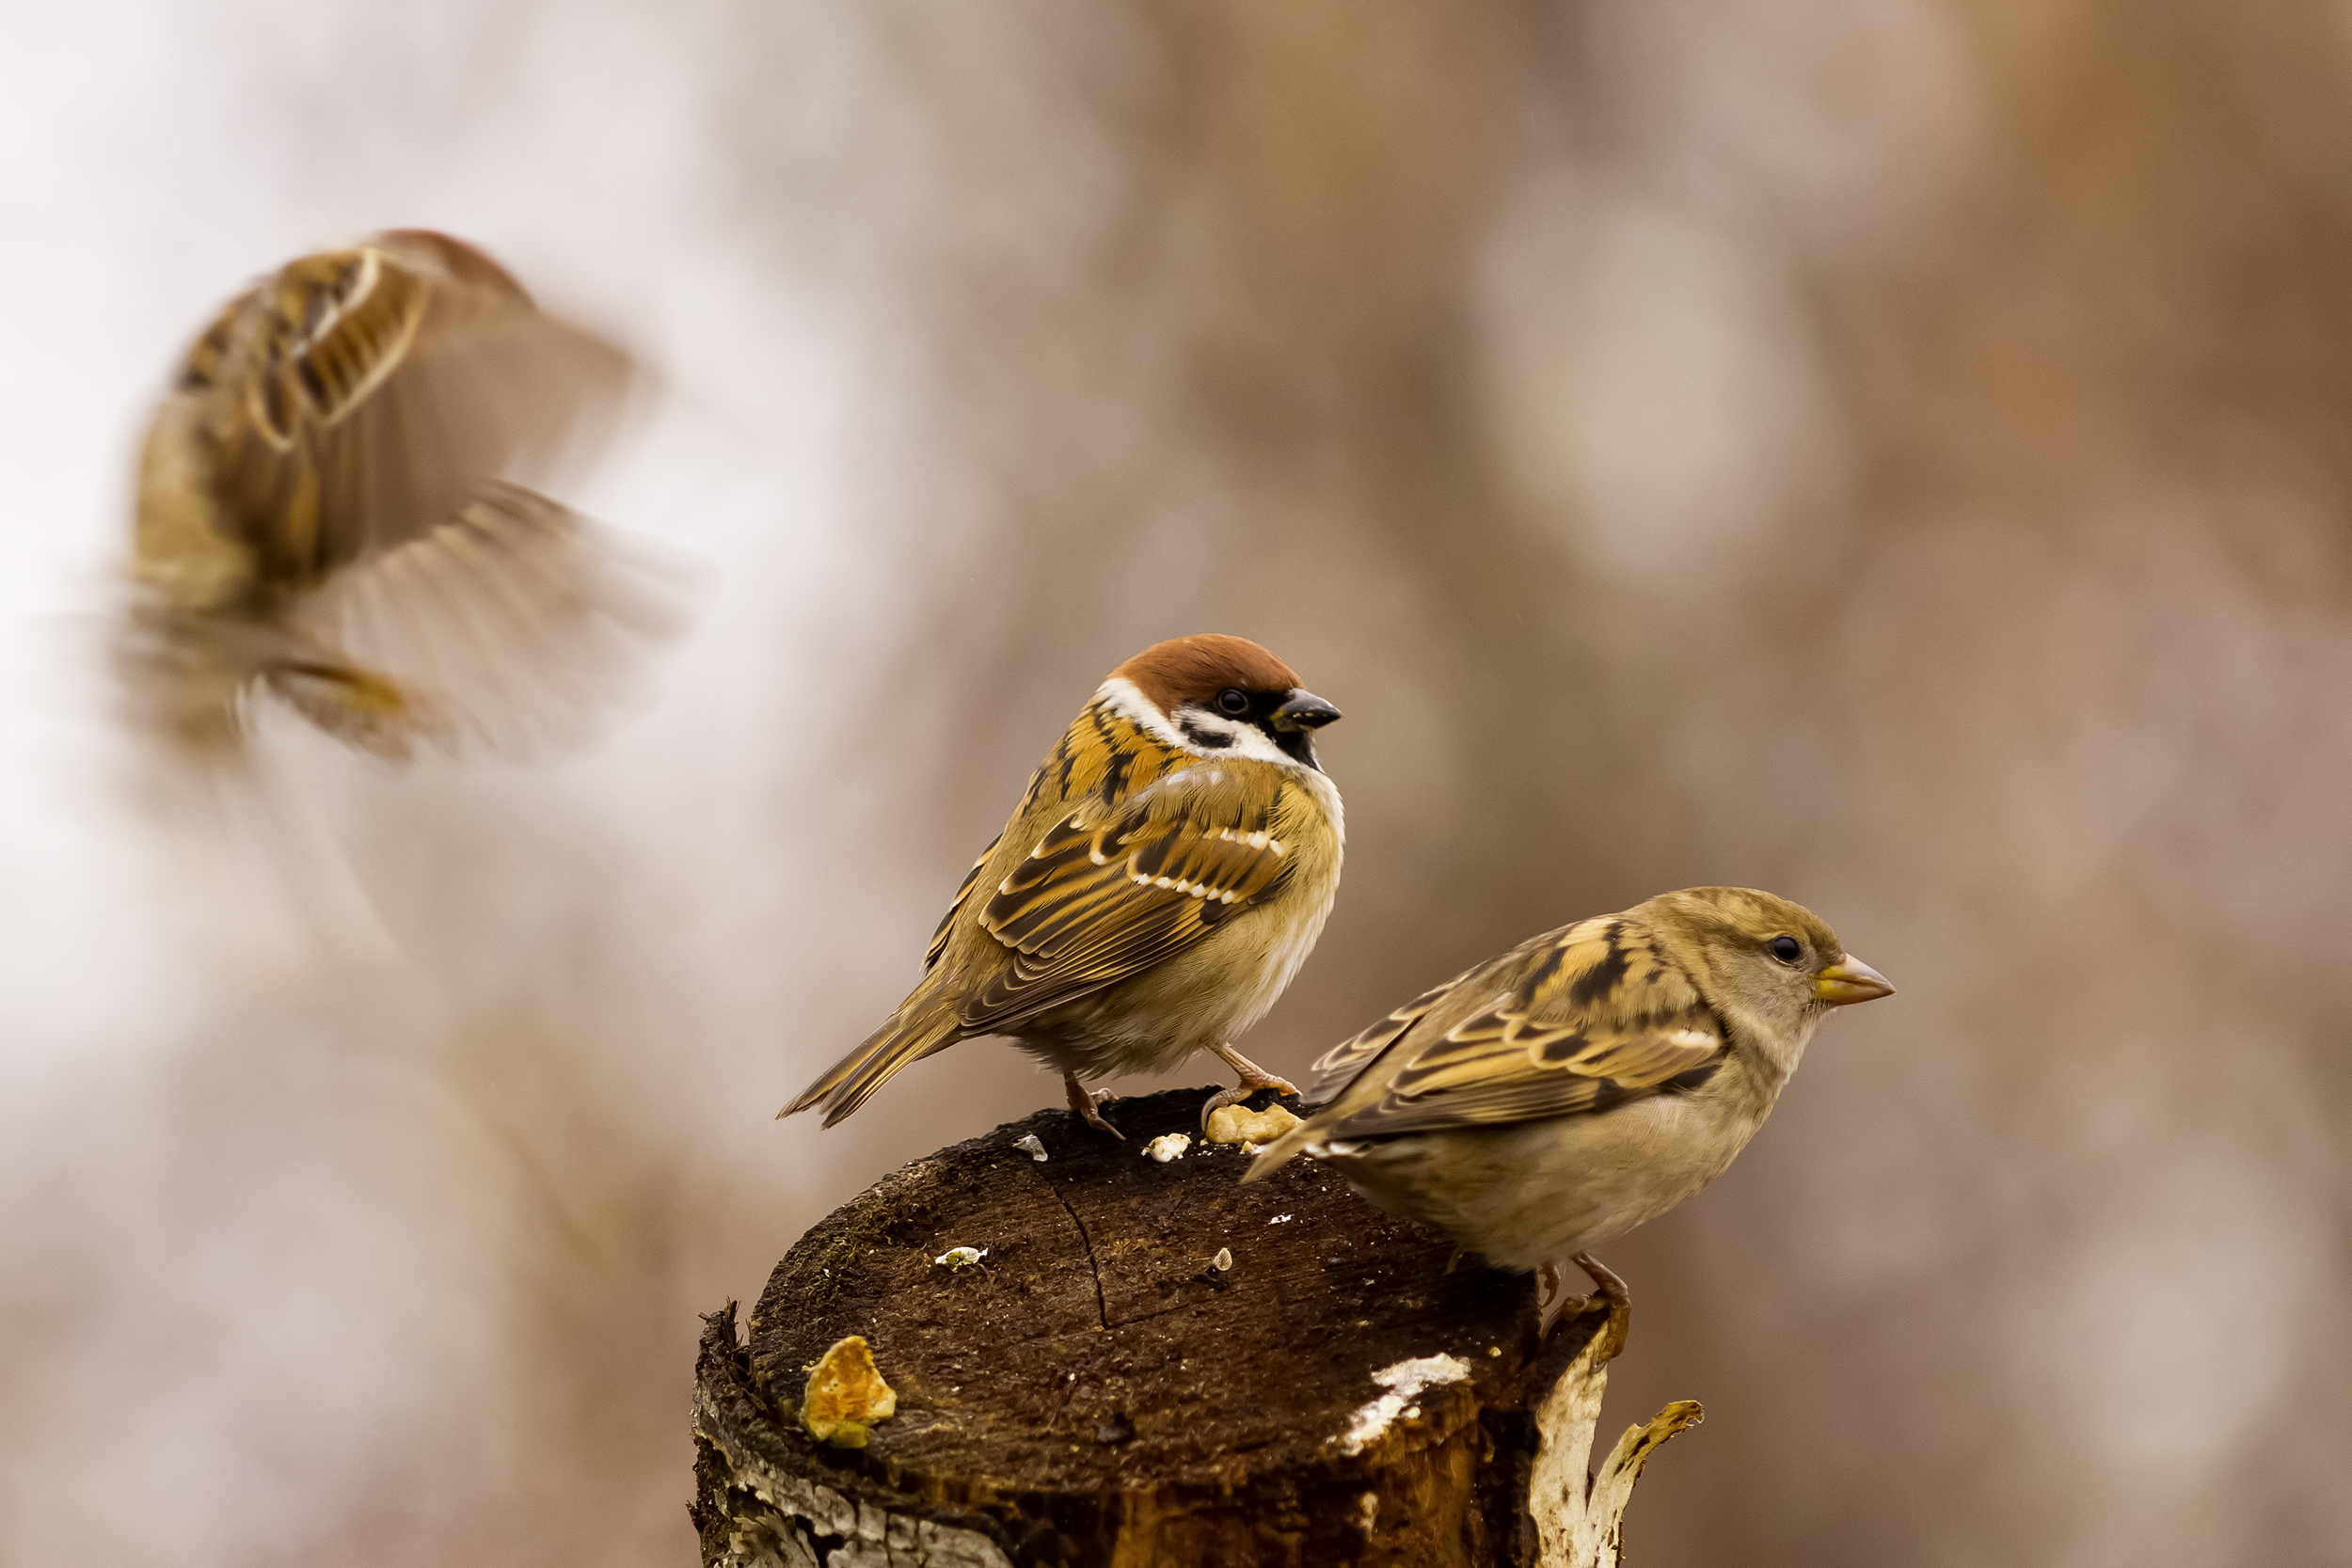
point(1095, 1389)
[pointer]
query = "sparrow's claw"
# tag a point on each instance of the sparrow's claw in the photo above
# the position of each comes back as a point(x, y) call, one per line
point(1253, 1078)
point(1620, 1301)
point(1553, 1302)
point(1087, 1105)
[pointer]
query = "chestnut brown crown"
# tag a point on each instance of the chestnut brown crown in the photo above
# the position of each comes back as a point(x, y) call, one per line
point(1193, 669)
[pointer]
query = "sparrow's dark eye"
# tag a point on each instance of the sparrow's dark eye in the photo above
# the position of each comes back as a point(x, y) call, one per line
point(1785, 948)
point(1234, 702)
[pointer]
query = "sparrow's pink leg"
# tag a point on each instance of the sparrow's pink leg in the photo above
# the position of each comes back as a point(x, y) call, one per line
point(1084, 1102)
point(1253, 1078)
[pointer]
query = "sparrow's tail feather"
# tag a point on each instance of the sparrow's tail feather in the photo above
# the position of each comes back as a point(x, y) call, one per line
point(257, 860)
point(319, 875)
point(913, 1033)
point(1281, 1151)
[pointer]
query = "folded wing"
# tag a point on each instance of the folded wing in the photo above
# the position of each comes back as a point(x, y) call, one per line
point(1576, 1023)
point(1104, 897)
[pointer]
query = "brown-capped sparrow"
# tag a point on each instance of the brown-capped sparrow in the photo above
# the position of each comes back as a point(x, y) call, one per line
point(1162, 879)
point(1584, 1082)
point(324, 514)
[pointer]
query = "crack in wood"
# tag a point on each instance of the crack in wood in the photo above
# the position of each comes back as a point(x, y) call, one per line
point(1147, 1317)
point(1101, 1306)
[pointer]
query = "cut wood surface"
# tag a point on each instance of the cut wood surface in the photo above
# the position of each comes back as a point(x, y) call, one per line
point(1096, 1389)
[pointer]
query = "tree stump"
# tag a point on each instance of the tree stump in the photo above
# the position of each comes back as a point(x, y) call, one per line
point(1095, 1389)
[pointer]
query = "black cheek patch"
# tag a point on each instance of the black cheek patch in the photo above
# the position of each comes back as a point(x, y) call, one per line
point(1208, 740)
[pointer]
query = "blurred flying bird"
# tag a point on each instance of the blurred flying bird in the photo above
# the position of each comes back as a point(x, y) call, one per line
point(327, 514)
point(1165, 875)
point(330, 517)
point(1584, 1082)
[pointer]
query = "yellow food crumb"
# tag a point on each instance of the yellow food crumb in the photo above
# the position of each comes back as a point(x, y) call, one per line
point(1238, 1124)
point(845, 1396)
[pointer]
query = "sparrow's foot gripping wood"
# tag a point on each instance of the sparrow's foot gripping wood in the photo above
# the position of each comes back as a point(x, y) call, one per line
point(1554, 1302)
point(1154, 1364)
point(1253, 1078)
point(1086, 1105)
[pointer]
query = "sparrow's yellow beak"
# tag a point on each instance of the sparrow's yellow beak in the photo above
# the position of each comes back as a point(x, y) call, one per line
point(1304, 711)
point(1850, 981)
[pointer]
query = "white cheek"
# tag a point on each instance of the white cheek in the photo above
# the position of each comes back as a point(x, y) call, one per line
point(1122, 698)
point(1241, 740)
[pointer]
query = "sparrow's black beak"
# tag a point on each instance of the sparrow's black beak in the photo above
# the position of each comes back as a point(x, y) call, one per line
point(1304, 711)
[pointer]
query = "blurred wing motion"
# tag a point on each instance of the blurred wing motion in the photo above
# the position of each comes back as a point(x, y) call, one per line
point(1575, 1021)
point(326, 513)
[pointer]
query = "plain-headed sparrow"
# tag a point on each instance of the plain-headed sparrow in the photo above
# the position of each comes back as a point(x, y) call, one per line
point(1162, 879)
point(1584, 1082)
point(325, 512)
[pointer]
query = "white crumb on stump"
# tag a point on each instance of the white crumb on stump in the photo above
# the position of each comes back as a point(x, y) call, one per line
point(1167, 1146)
point(1404, 1381)
point(959, 1257)
point(1223, 1261)
point(846, 1395)
point(1238, 1124)
point(1029, 1143)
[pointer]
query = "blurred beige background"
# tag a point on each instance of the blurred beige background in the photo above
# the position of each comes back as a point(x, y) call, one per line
point(1892, 453)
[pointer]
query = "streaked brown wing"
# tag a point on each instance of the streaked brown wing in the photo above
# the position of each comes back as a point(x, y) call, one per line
point(1338, 1067)
point(1588, 1020)
point(377, 391)
point(1101, 899)
point(963, 891)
